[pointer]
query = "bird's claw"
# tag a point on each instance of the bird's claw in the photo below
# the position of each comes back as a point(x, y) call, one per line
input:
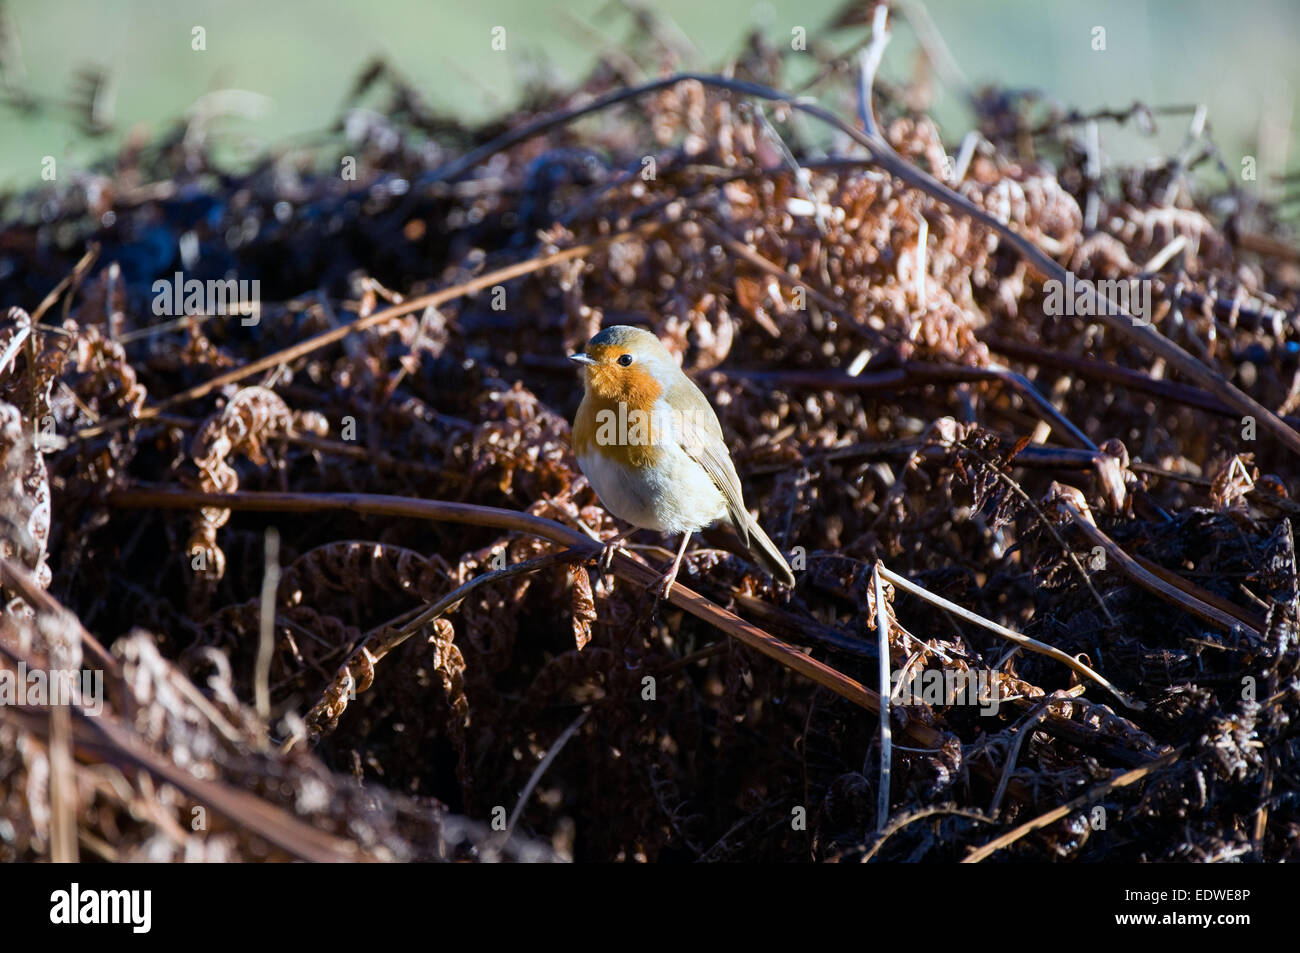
point(662, 587)
point(606, 558)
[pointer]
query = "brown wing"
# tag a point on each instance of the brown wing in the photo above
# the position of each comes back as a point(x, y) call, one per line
point(700, 435)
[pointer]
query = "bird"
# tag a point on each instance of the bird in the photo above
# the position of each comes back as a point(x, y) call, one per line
point(651, 447)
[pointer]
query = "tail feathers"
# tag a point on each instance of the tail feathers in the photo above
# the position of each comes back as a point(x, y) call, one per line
point(765, 553)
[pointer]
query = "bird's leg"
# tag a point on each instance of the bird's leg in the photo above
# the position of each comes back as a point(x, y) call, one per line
point(611, 546)
point(665, 583)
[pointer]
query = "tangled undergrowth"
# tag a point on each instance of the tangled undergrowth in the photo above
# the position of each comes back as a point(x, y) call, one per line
point(894, 384)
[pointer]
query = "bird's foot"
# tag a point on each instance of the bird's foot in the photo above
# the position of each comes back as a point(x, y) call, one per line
point(606, 558)
point(663, 586)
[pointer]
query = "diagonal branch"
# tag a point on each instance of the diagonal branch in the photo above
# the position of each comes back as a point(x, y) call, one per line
point(625, 565)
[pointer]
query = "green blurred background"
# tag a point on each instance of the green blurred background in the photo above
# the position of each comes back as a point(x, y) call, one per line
point(1239, 59)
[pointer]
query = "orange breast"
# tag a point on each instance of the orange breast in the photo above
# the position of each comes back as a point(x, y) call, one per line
point(616, 416)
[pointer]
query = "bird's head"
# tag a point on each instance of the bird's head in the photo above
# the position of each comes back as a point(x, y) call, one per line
point(627, 364)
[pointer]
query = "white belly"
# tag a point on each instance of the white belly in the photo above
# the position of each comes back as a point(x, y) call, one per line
point(676, 497)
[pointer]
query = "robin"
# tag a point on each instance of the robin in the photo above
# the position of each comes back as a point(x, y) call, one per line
point(652, 448)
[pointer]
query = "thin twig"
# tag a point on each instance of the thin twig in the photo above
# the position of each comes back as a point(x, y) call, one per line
point(903, 820)
point(392, 638)
point(1024, 641)
point(540, 770)
point(870, 59)
point(882, 668)
point(1051, 528)
point(266, 629)
point(1120, 780)
point(382, 641)
point(63, 788)
point(801, 179)
point(73, 277)
point(1013, 753)
point(1153, 583)
point(921, 373)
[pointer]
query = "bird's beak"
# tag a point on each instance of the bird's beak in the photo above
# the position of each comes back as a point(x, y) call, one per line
point(581, 359)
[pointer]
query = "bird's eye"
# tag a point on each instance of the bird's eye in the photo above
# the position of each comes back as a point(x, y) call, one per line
point(625, 359)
